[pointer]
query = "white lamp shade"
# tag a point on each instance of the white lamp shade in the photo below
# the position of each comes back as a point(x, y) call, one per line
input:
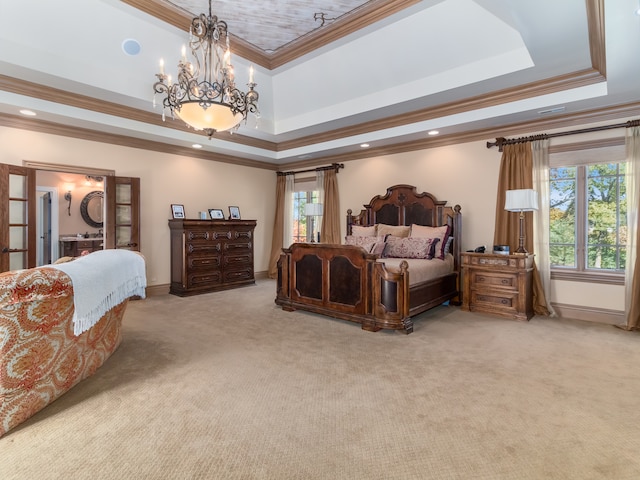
point(525, 200)
point(313, 209)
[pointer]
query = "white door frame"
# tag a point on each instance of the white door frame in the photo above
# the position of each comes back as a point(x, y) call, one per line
point(55, 220)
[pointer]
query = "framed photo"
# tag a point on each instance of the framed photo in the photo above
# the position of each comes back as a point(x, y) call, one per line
point(234, 213)
point(177, 210)
point(216, 214)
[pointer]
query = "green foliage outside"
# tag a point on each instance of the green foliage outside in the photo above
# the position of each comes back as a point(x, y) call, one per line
point(605, 230)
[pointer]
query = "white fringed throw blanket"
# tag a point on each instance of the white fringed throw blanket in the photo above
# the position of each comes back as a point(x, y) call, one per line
point(102, 280)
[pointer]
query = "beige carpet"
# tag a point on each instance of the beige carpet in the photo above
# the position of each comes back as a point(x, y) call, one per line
point(228, 386)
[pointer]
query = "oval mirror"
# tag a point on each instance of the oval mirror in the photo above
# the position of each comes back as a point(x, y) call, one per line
point(91, 209)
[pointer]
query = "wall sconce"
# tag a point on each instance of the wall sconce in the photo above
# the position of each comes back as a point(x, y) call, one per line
point(524, 200)
point(67, 196)
point(68, 186)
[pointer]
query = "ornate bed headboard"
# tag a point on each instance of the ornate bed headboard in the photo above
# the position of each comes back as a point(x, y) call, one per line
point(403, 205)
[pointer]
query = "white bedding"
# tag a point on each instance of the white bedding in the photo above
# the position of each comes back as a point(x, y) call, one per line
point(421, 270)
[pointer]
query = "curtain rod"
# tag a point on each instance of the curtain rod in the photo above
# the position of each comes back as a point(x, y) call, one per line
point(333, 166)
point(501, 141)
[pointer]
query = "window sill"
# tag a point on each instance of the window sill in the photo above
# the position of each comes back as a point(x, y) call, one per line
point(588, 277)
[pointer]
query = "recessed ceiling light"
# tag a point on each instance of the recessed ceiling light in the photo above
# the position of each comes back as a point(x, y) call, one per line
point(364, 145)
point(433, 132)
point(196, 145)
point(131, 47)
point(28, 113)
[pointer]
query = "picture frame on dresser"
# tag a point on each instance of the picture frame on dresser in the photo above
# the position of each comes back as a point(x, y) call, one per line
point(234, 213)
point(216, 214)
point(177, 210)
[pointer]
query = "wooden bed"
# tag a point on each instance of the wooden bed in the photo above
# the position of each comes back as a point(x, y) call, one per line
point(346, 282)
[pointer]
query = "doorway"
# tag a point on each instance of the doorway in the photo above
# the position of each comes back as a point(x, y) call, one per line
point(47, 251)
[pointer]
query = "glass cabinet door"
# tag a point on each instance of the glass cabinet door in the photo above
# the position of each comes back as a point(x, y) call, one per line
point(123, 212)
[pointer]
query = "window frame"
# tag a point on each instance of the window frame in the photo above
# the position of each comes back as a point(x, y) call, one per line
point(307, 185)
point(609, 150)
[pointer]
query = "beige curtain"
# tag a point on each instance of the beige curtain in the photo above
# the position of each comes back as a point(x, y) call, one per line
point(541, 227)
point(278, 226)
point(330, 231)
point(632, 267)
point(516, 172)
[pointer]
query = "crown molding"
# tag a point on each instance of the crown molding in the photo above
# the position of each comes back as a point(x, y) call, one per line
point(52, 128)
point(521, 92)
point(559, 122)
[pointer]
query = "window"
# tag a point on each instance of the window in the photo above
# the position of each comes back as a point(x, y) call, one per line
point(303, 226)
point(588, 218)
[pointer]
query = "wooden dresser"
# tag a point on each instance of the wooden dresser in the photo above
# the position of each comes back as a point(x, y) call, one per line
point(498, 284)
point(210, 255)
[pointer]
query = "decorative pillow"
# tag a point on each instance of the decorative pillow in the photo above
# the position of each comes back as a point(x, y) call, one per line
point(360, 231)
point(378, 248)
point(364, 242)
point(408, 247)
point(447, 247)
point(432, 248)
point(420, 231)
point(395, 230)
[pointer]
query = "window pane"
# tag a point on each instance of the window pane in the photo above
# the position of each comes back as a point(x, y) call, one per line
point(605, 204)
point(563, 255)
point(562, 216)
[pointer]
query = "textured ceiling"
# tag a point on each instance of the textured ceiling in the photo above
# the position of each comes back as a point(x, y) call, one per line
point(272, 24)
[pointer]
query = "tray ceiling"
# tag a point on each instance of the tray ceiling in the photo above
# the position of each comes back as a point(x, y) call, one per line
point(384, 72)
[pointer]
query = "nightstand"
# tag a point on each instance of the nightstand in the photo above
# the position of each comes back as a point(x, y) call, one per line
point(498, 284)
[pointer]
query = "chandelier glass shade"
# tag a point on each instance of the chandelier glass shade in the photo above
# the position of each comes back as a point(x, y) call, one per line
point(205, 95)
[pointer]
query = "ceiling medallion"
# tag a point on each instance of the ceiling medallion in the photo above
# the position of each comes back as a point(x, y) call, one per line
point(205, 96)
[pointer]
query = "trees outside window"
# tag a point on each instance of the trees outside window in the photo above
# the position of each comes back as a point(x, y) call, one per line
point(302, 226)
point(588, 217)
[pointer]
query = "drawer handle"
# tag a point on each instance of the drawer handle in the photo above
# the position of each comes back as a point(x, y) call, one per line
point(505, 281)
point(504, 301)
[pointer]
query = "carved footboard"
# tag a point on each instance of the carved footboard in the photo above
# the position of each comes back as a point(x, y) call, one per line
point(343, 281)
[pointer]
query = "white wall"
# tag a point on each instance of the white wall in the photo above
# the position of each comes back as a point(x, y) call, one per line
point(164, 179)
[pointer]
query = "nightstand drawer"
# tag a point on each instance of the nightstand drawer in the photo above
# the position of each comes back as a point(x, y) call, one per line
point(482, 280)
point(495, 301)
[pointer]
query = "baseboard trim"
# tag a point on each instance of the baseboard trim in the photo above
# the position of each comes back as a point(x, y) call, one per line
point(589, 314)
point(155, 290)
point(262, 275)
point(163, 289)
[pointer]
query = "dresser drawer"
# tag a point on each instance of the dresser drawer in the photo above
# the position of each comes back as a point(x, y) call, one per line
point(237, 247)
point(203, 279)
point(203, 248)
point(483, 279)
point(242, 234)
point(240, 260)
point(236, 275)
point(194, 262)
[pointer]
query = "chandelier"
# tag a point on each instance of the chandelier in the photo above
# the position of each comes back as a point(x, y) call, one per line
point(205, 95)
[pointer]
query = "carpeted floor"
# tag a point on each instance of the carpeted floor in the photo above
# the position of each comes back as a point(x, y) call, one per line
point(228, 386)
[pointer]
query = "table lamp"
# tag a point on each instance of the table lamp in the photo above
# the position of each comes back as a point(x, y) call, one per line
point(524, 200)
